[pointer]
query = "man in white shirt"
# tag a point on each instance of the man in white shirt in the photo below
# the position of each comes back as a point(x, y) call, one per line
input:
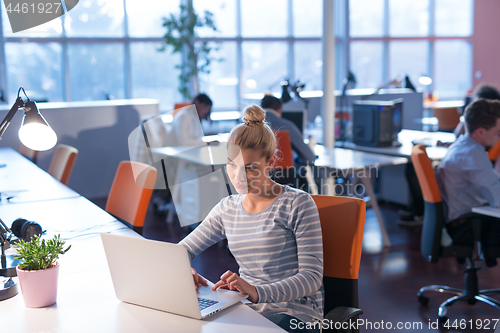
point(187, 122)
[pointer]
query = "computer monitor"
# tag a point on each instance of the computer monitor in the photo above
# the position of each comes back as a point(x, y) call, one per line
point(297, 117)
point(376, 123)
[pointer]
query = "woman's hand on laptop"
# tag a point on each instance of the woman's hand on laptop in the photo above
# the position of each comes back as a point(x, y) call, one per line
point(198, 279)
point(233, 281)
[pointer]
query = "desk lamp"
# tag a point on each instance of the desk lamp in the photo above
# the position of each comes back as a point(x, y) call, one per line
point(297, 87)
point(408, 84)
point(425, 80)
point(8, 288)
point(349, 81)
point(285, 95)
point(35, 133)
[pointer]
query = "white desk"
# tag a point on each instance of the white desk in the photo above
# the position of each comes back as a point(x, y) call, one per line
point(406, 138)
point(86, 298)
point(86, 302)
point(345, 162)
point(25, 182)
point(487, 210)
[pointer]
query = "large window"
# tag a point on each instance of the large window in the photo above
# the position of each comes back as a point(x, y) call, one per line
point(109, 49)
point(395, 38)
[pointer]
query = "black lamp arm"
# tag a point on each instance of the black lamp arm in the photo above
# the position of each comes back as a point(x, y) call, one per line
point(6, 121)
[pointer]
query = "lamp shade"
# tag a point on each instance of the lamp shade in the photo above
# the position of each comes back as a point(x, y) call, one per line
point(35, 133)
point(425, 80)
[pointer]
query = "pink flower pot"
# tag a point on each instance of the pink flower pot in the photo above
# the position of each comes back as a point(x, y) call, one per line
point(39, 288)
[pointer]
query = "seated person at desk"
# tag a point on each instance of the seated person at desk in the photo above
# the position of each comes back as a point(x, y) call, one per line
point(467, 179)
point(273, 231)
point(482, 91)
point(273, 108)
point(187, 125)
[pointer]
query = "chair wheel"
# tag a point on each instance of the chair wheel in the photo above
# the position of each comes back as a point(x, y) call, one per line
point(442, 320)
point(423, 300)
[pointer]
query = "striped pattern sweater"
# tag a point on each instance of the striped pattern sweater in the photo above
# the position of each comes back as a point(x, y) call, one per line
point(279, 250)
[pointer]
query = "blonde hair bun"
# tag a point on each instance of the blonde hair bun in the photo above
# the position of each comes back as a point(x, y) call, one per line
point(254, 133)
point(254, 115)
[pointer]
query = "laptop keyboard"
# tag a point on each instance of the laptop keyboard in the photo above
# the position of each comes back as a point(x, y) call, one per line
point(205, 303)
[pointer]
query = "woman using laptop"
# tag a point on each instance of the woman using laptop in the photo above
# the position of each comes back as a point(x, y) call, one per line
point(273, 232)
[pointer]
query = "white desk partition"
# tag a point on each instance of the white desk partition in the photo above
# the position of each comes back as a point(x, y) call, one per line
point(98, 129)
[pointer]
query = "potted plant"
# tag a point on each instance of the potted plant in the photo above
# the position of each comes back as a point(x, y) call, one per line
point(182, 37)
point(39, 269)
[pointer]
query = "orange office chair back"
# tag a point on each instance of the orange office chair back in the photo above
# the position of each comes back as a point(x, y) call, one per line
point(130, 192)
point(494, 152)
point(448, 118)
point(284, 147)
point(62, 163)
point(342, 225)
point(425, 174)
point(179, 106)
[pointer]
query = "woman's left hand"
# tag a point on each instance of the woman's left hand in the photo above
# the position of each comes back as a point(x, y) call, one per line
point(233, 281)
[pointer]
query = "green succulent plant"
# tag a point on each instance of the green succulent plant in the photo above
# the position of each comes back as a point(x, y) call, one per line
point(38, 254)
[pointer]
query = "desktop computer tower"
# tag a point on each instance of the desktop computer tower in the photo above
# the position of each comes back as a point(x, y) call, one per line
point(372, 123)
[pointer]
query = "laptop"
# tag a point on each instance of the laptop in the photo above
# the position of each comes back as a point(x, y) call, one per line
point(158, 275)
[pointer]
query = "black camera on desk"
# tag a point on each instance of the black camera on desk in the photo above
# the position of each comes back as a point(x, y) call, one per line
point(25, 230)
point(21, 228)
point(376, 123)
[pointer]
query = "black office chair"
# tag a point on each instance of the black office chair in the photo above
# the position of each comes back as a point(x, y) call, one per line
point(432, 249)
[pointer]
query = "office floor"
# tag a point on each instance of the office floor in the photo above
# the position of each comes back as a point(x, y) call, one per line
point(388, 279)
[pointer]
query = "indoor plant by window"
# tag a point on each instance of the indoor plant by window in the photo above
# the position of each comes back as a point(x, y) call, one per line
point(39, 269)
point(182, 37)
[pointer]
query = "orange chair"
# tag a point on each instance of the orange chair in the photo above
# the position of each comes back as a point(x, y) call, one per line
point(284, 147)
point(430, 244)
point(448, 118)
point(62, 163)
point(130, 193)
point(283, 170)
point(342, 225)
point(179, 106)
point(494, 152)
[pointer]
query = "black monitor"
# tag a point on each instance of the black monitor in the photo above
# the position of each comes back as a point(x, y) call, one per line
point(296, 117)
point(376, 123)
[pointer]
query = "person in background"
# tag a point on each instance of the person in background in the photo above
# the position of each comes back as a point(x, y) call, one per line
point(273, 107)
point(273, 232)
point(414, 216)
point(466, 177)
point(187, 122)
point(186, 130)
point(482, 91)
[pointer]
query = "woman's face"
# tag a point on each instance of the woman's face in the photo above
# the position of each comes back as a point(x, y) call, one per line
point(247, 170)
